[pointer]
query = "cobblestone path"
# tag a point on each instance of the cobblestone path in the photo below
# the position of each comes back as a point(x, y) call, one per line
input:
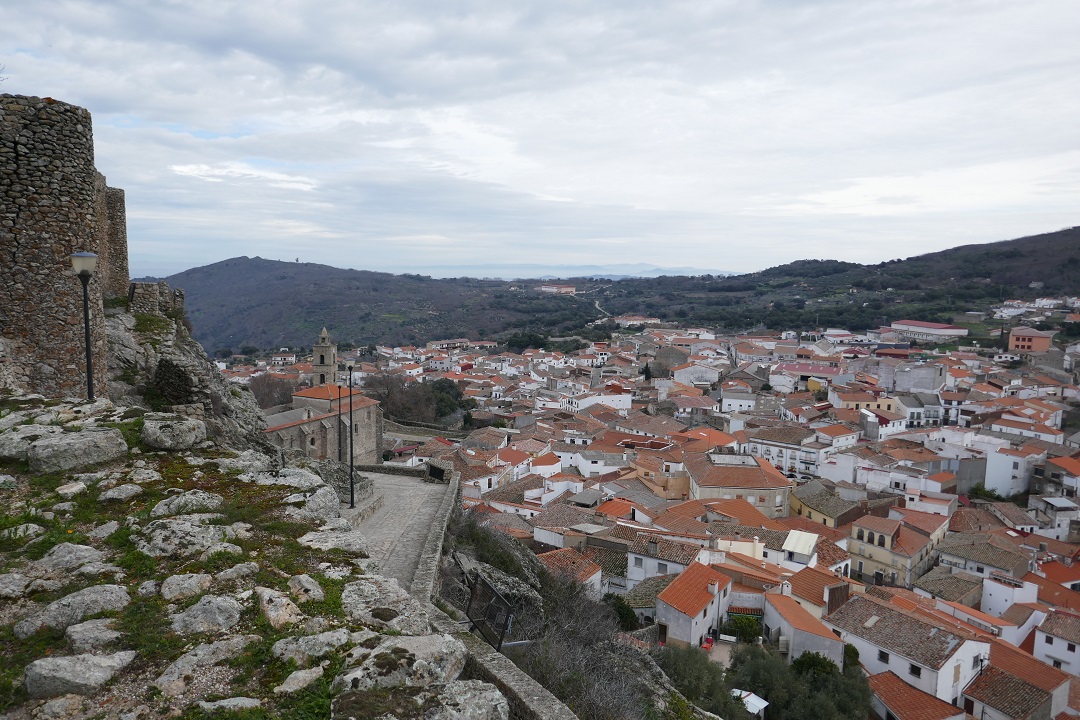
point(397, 530)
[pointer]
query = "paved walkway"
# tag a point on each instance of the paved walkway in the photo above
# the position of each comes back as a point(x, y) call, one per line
point(397, 530)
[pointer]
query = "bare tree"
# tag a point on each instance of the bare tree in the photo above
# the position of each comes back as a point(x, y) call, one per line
point(270, 391)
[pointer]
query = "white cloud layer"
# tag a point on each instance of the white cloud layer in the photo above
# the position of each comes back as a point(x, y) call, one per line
point(731, 134)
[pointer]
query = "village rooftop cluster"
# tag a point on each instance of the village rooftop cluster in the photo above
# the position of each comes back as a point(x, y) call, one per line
point(836, 488)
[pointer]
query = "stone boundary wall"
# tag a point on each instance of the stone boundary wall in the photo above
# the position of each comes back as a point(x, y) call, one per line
point(417, 472)
point(365, 488)
point(54, 202)
point(389, 426)
point(427, 570)
point(528, 699)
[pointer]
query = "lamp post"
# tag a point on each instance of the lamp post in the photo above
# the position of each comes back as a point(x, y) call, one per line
point(352, 468)
point(338, 386)
point(84, 263)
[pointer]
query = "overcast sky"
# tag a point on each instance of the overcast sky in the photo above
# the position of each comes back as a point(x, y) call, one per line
point(728, 135)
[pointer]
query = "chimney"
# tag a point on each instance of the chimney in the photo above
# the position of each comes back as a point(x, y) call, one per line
point(652, 546)
point(785, 588)
point(713, 588)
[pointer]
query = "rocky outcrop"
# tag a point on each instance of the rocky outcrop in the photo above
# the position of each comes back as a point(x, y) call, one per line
point(73, 608)
point(75, 674)
point(185, 617)
point(210, 615)
point(175, 678)
point(277, 608)
point(193, 501)
point(178, 587)
point(138, 358)
point(164, 431)
point(64, 451)
point(419, 661)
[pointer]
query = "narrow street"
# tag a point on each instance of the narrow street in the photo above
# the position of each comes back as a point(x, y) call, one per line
point(397, 530)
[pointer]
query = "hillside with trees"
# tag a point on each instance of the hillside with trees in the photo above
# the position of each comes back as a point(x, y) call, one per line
point(267, 303)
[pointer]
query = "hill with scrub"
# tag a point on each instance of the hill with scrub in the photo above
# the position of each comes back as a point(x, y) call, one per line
point(266, 304)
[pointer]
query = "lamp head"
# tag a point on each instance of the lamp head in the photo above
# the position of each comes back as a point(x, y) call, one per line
point(84, 263)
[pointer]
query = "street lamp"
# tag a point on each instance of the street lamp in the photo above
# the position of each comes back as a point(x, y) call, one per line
point(84, 264)
point(352, 468)
point(337, 384)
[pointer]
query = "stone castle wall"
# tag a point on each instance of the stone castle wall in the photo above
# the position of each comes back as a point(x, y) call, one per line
point(53, 202)
point(155, 299)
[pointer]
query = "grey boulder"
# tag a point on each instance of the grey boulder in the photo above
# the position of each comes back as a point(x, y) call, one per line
point(212, 613)
point(305, 587)
point(192, 501)
point(411, 661)
point(120, 493)
point(75, 674)
point(172, 432)
point(65, 451)
point(72, 608)
point(178, 587)
point(173, 681)
point(310, 647)
point(66, 557)
point(323, 504)
point(277, 608)
point(91, 635)
point(379, 602)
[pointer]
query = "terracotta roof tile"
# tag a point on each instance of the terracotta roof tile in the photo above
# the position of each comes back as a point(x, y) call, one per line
point(810, 584)
point(1062, 624)
point(669, 550)
point(907, 702)
point(798, 616)
point(643, 595)
point(569, 563)
point(1006, 693)
point(689, 593)
point(1016, 662)
point(901, 633)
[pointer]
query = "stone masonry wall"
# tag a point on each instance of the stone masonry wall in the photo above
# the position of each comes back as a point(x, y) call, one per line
point(53, 202)
point(154, 299)
point(116, 270)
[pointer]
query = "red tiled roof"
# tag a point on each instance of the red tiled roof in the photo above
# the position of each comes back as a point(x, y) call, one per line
point(570, 563)
point(1016, 662)
point(1053, 594)
point(1006, 693)
point(907, 702)
point(616, 507)
point(669, 550)
point(689, 593)
point(810, 583)
point(797, 615)
point(1060, 573)
point(326, 392)
point(745, 513)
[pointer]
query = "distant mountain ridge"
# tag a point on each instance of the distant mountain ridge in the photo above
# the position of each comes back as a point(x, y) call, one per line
point(268, 303)
point(536, 271)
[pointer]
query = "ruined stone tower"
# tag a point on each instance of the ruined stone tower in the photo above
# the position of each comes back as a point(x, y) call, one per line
point(54, 202)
